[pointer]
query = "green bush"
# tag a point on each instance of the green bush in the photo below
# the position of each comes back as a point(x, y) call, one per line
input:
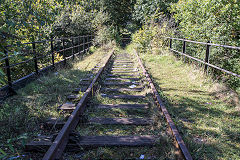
point(150, 37)
point(211, 20)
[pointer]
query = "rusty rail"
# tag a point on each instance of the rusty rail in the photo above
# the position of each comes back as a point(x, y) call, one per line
point(60, 142)
point(180, 143)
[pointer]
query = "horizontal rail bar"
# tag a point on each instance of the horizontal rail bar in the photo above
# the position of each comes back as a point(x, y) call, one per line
point(211, 65)
point(204, 43)
point(43, 41)
point(57, 51)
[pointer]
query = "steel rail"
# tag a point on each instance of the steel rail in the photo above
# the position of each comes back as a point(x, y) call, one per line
point(56, 149)
point(180, 143)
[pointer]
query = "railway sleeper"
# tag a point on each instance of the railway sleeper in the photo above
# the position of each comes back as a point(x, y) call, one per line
point(121, 83)
point(77, 142)
point(58, 123)
point(124, 96)
point(139, 89)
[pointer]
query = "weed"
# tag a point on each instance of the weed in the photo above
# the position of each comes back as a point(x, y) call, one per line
point(209, 125)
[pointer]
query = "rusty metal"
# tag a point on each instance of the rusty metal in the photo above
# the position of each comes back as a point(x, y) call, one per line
point(59, 144)
point(175, 133)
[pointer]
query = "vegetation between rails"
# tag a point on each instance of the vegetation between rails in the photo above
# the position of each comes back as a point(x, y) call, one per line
point(205, 112)
point(163, 149)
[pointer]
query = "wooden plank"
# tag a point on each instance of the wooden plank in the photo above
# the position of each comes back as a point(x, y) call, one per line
point(116, 61)
point(124, 75)
point(122, 79)
point(124, 96)
point(131, 69)
point(122, 66)
point(122, 89)
point(86, 83)
point(67, 106)
point(120, 83)
point(73, 97)
point(121, 121)
point(123, 106)
point(101, 141)
point(86, 79)
point(98, 141)
point(53, 122)
point(123, 71)
point(82, 89)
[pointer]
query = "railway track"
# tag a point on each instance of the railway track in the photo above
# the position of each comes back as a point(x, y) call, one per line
point(120, 83)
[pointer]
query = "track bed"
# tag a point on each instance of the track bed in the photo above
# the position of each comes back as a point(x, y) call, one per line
point(118, 119)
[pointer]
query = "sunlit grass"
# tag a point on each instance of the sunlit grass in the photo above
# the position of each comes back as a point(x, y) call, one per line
point(26, 112)
point(207, 117)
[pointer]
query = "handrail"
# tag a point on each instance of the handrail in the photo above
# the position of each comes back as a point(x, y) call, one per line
point(75, 47)
point(210, 44)
point(206, 62)
point(49, 40)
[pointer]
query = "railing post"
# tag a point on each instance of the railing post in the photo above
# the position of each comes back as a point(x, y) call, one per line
point(207, 57)
point(83, 44)
point(184, 49)
point(170, 43)
point(87, 43)
point(90, 38)
point(8, 71)
point(78, 45)
point(64, 57)
point(35, 57)
point(73, 47)
point(52, 51)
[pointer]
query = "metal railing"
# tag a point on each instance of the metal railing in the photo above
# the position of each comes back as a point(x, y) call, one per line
point(207, 53)
point(68, 47)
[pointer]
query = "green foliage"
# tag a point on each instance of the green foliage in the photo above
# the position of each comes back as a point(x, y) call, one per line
point(74, 20)
point(143, 9)
point(2, 75)
point(216, 21)
point(26, 21)
point(120, 11)
point(149, 37)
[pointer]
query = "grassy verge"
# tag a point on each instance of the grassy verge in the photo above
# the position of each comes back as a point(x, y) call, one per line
point(205, 112)
point(22, 116)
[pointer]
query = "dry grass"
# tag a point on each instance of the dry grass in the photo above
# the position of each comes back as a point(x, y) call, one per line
point(22, 116)
point(205, 112)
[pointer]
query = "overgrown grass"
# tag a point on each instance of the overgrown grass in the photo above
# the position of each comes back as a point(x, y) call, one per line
point(205, 112)
point(22, 115)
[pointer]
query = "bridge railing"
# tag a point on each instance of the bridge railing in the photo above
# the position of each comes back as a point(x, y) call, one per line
point(205, 62)
point(38, 56)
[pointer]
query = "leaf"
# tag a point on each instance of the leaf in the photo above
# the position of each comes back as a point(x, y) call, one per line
point(11, 147)
point(4, 153)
